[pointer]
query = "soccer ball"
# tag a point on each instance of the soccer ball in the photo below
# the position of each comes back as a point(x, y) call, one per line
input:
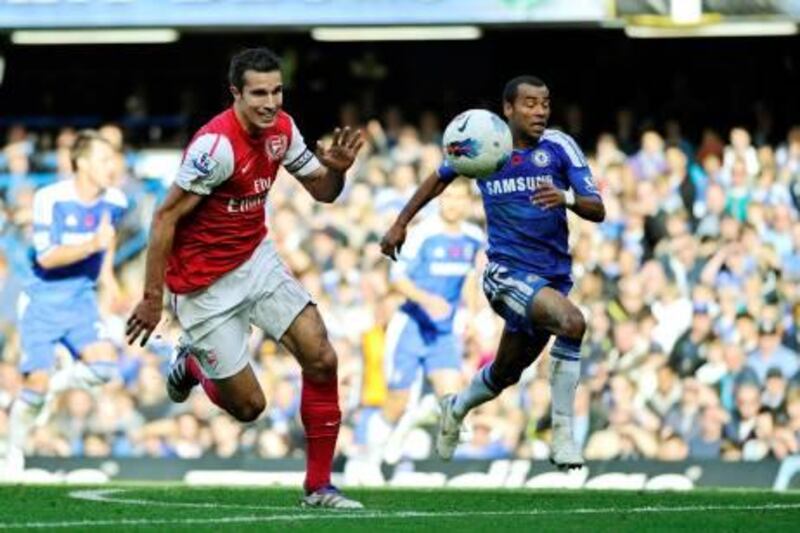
point(477, 143)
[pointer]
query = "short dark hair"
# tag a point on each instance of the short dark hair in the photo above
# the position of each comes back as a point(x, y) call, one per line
point(512, 87)
point(83, 144)
point(258, 59)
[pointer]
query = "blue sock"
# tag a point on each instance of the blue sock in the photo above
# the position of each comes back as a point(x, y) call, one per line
point(480, 390)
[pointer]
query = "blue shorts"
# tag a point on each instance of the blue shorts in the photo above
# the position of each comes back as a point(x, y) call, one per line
point(407, 351)
point(510, 293)
point(43, 325)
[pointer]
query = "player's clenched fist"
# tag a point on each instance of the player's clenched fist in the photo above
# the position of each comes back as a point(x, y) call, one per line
point(547, 196)
point(393, 241)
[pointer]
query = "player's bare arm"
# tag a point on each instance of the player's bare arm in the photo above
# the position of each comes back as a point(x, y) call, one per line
point(326, 184)
point(429, 189)
point(436, 306)
point(67, 254)
point(147, 314)
point(588, 207)
point(107, 279)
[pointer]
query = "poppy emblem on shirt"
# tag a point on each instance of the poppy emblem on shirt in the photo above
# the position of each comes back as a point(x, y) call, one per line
point(540, 158)
point(276, 146)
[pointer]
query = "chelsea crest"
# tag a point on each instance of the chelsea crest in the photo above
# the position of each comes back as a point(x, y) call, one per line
point(540, 158)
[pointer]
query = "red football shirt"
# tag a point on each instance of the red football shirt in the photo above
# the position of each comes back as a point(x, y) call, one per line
point(234, 171)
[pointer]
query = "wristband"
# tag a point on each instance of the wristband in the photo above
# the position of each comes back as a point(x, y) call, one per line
point(569, 197)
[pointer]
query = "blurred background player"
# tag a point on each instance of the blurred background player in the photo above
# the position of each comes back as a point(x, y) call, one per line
point(208, 243)
point(430, 273)
point(74, 240)
point(529, 271)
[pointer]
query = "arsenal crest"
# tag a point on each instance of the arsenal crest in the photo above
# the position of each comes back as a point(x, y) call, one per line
point(276, 146)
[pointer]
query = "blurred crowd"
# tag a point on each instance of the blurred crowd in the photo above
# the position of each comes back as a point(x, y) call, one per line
point(690, 288)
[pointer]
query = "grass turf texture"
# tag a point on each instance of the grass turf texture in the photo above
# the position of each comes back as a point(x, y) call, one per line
point(181, 508)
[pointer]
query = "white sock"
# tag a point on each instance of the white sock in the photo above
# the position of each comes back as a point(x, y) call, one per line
point(23, 416)
point(565, 372)
point(480, 390)
point(80, 375)
point(378, 432)
point(61, 380)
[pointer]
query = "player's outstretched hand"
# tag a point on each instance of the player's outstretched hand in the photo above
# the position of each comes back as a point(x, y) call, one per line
point(393, 241)
point(547, 196)
point(144, 320)
point(343, 149)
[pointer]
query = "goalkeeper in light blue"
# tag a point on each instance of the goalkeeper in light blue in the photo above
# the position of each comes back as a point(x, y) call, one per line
point(529, 272)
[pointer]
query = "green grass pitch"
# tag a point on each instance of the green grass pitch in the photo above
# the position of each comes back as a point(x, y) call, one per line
point(181, 508)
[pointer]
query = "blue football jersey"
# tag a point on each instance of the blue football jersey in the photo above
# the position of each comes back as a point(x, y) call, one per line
point(61, 218)
point(437, 262)
point(522, 235)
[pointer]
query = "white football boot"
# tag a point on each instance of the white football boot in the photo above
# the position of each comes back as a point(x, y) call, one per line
point(564, 453)
point(331, 498)
point(448, 435)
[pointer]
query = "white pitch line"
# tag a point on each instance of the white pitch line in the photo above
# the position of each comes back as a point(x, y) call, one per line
point(103, 496)
point(384, 515)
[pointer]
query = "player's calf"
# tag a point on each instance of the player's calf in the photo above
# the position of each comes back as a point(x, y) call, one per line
point(240, 395)
point(249, 409)
point(503, 376)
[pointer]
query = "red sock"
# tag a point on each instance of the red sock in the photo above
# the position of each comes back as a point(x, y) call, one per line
point(319, 410)
point(207, 383)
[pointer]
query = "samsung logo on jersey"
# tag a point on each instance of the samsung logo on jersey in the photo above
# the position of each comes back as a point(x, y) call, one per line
point(521, 184)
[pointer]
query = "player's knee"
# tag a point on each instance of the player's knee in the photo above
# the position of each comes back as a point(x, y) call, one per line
point(251, 409)
point(573, 325)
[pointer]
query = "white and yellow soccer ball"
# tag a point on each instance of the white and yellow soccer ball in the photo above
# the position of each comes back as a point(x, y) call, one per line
point(477, 143)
